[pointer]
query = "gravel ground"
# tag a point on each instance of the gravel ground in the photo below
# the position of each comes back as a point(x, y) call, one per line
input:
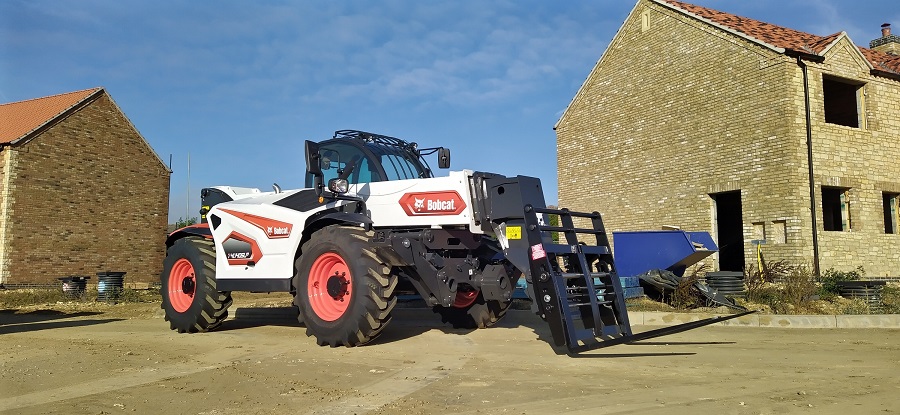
point(110, 359)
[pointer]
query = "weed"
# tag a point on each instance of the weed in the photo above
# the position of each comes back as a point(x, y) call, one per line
point(799, 287)
point(890, 299)
point(768, 294)
point(758, 282)
point(784, 288)
point(685, 295)
point(831, 278)
point(856, 306)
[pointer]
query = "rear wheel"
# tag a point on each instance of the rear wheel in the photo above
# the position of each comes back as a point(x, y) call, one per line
point(189, 295)
point(471, 311)
point(344, 290)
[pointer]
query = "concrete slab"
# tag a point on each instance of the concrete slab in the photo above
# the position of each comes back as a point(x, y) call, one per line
point(786, 321)
point(750, 320)
point(671, 319)
point(882, 321)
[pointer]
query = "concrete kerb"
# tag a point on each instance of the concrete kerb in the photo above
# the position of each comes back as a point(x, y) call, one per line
point(884, 321)
point(646, 318)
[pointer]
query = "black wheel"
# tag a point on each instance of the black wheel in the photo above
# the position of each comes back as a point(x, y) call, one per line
point(344, 290)
point(471, 311)
point(189, 294)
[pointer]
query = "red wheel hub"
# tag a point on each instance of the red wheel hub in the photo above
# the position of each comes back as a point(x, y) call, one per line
point(329, 286)
point(182, 285)
point(464, 298)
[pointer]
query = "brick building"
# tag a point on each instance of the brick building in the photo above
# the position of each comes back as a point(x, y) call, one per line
point(698, 118)
point(81, 191)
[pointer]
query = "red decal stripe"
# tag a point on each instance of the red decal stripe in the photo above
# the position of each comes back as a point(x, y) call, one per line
point(274, 229)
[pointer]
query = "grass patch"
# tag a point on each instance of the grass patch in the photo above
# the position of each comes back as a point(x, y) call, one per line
point(30, 297)
point(646, 304)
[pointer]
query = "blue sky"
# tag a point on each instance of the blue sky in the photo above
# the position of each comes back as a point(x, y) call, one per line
point(240, 85)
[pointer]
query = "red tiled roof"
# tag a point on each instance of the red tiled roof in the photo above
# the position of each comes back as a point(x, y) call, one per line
point(783, 37)
point(18, 119)
point(882, 61)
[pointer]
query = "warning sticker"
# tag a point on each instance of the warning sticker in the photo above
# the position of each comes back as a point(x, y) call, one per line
point(537, 252)
point(513, 232)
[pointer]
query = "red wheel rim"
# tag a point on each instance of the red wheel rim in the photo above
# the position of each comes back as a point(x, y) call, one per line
point(329, 286)
point(182, 285)
point(464, 298)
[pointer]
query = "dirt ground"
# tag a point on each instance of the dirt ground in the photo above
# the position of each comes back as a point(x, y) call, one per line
point(123, 359)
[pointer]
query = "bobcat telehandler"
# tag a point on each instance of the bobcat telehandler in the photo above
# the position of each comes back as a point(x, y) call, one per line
point(372, 218)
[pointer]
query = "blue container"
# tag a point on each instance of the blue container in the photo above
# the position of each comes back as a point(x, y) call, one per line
point(641, 251)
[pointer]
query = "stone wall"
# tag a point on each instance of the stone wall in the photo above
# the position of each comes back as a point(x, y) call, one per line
point(677, 110)
point(863, 160)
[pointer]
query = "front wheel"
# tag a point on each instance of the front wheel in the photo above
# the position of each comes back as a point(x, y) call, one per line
point(189, 295)
point(344, 290)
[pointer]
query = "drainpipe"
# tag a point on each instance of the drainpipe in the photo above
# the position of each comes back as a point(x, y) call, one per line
point(809, 152)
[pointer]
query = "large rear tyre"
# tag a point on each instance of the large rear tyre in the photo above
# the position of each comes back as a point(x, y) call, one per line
point(189, 295)
point(344, 290)
point(471, 311)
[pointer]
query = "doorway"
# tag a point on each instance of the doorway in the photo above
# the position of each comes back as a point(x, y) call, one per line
point(729, 230)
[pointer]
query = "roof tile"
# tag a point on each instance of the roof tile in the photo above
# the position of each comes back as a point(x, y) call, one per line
point(783, 37)
point(18, 119)
point(882, 61)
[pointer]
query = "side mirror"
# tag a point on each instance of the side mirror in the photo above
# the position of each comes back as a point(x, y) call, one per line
point(314, 166)
point(444, 158)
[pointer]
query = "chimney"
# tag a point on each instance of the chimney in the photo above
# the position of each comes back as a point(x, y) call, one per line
point(887, 43)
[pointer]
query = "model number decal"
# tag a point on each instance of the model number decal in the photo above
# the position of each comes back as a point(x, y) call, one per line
point(240, 249)
point(446, 202)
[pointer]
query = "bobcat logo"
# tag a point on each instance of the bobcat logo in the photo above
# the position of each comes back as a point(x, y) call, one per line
point(442, 202)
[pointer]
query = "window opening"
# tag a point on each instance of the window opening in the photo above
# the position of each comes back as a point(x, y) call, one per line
point(835, 209)
point(842, 101)
point(890, 211)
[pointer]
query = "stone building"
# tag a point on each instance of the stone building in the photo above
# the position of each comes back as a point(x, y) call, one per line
point(708, 121)
point(81, 191)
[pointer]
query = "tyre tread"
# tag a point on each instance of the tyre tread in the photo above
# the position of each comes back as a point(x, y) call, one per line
point(376, 289)
point(214, 309)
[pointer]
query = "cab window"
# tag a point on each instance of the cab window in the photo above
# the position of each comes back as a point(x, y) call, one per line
point(336, 156)
point(397, 164)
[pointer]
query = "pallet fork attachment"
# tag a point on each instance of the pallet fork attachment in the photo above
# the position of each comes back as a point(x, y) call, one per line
point(575, 287)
